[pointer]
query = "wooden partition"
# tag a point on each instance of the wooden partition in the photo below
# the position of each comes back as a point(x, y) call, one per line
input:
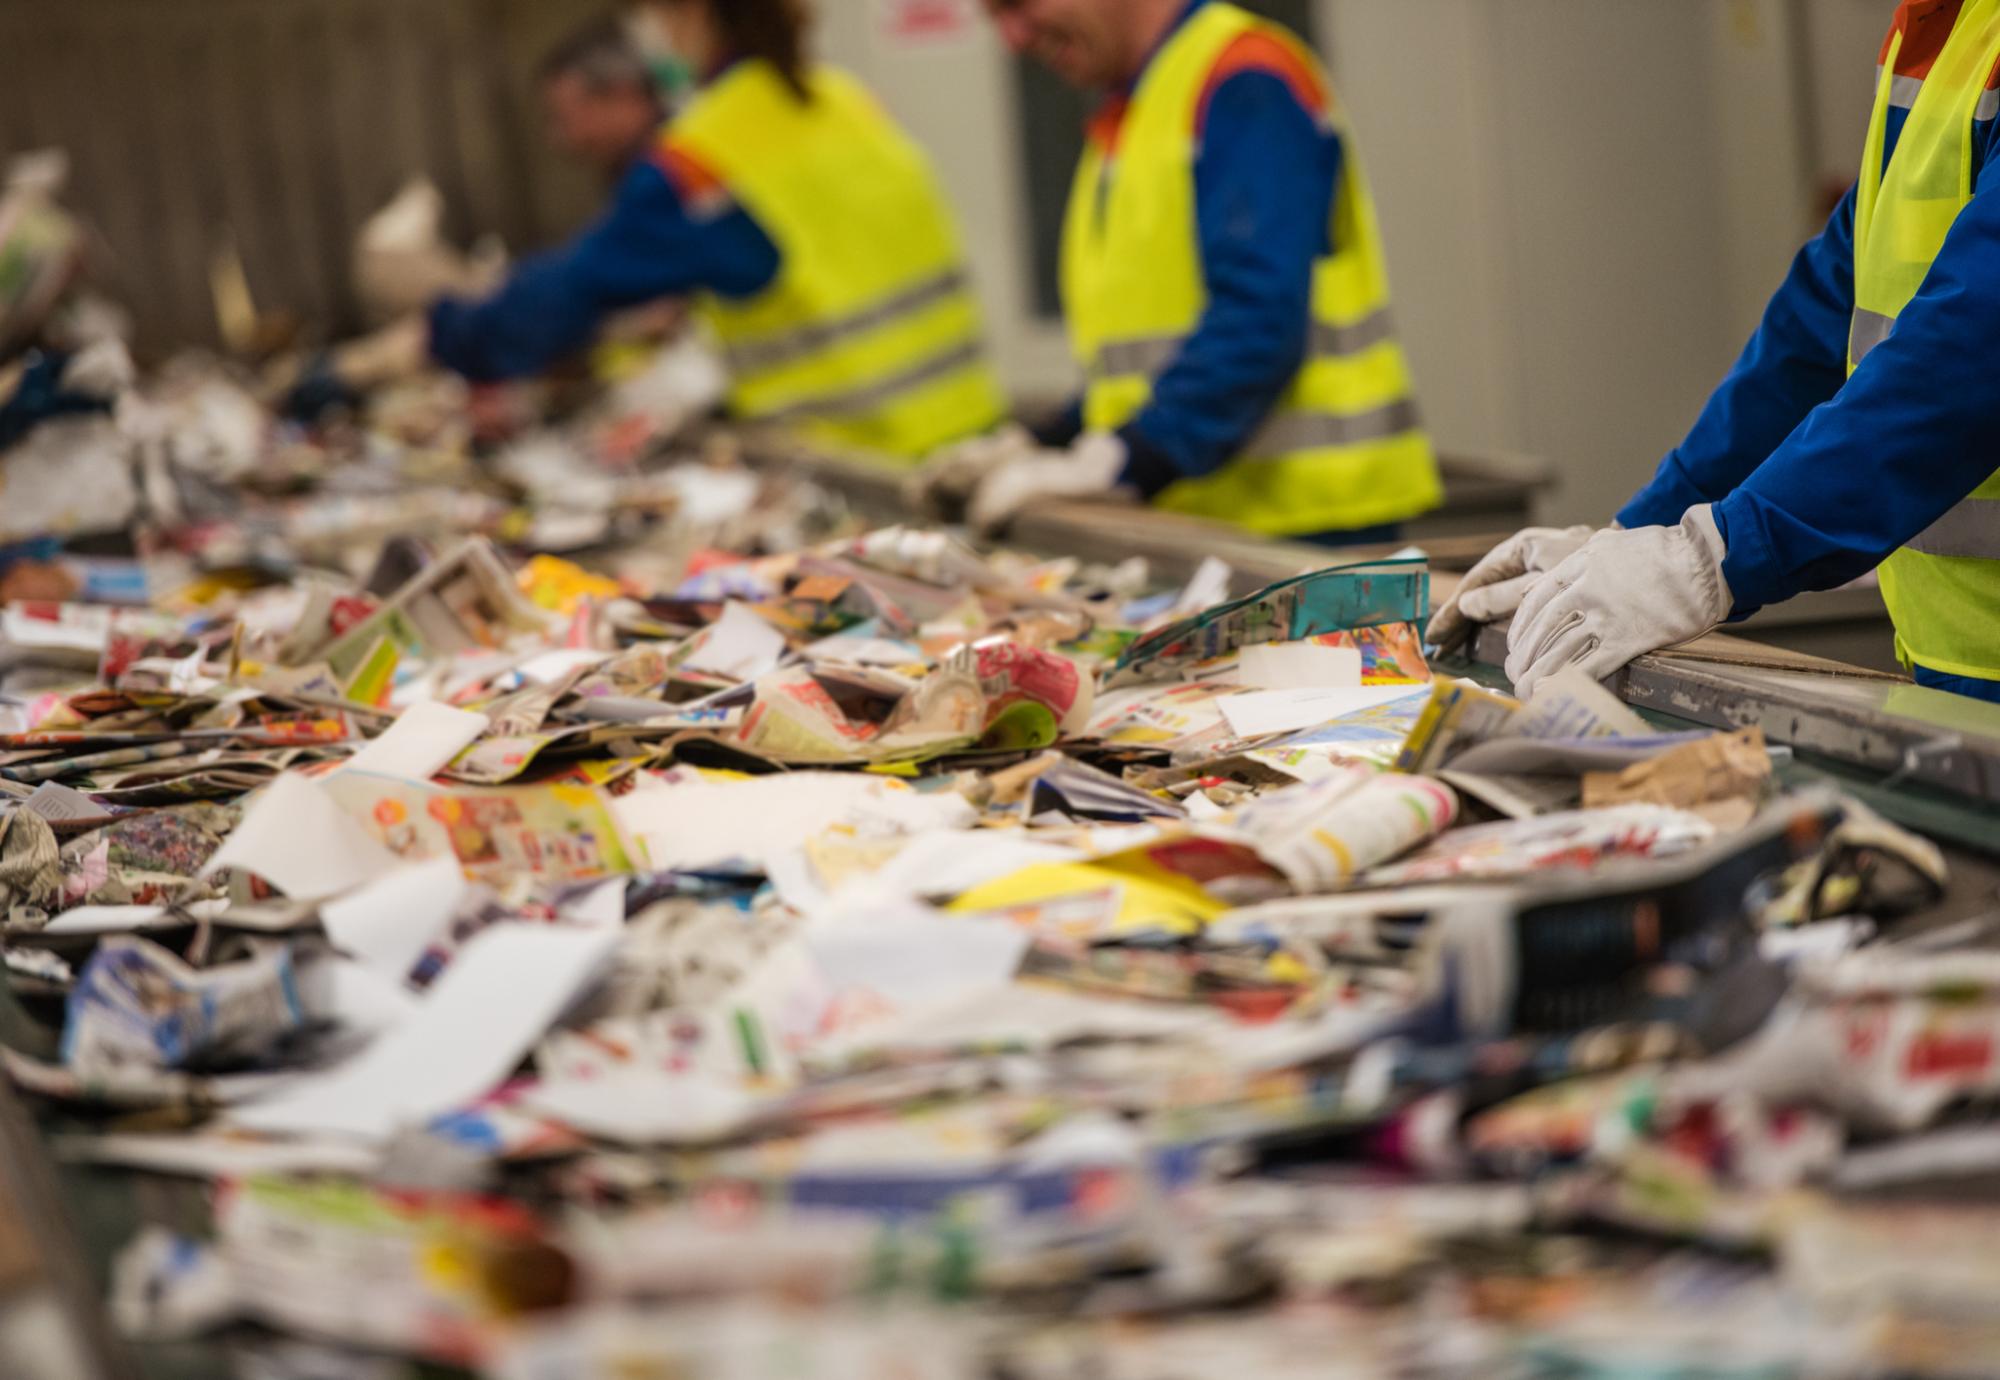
point(281, 124)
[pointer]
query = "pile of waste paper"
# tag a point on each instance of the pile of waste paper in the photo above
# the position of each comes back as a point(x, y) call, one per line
point(580, 906)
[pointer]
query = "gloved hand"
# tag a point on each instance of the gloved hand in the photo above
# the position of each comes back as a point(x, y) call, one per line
point(394, 352)
point(340, 376)
point(316, 391)
point(1492, 590)
point(948, 479)
point(1088, 469)
point(1621, 595)
point(103, 369)
point(43, 393)
point(402, 263)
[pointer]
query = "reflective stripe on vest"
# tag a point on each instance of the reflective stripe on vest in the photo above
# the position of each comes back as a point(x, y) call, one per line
point(1323, 341)
point(1903, 93)
point(1971, 530)
point(1943, 587)
point(858, 402)
point(869, 336)
point(1295, 431)
point(1343, 447)
point(1869, 330)
point(775, 351)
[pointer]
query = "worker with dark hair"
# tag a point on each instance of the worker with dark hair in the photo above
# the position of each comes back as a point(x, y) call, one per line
point(808, 230)
point(600, 97)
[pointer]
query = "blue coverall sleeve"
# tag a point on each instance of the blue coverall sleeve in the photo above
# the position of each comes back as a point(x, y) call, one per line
point(1913, 432)
point(647, 246)
point(1264, 186)
point(1796, 361)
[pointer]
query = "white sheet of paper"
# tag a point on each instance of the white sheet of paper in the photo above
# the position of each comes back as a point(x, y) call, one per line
point(1299, 666)
point(601, 908)
point(423, 739)
point(710, 495)
point(1200, 808)
point(700, 823)
point(864, 651)
point(122, 919)
point(545, 668)
point(740, 644)
point(104, 919)
point(1208, 585)
point(945, 862)
point(388, 923)
point(912, 955)
point(1288, 711)
point(495, 1000)
point(1032, 1016)
point(360, 998)
point(218, 1155)
point(647, 1106)
point(299, 840)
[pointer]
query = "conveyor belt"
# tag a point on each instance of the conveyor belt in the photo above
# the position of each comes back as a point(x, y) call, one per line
point(1929, 760)
point(1933, 754)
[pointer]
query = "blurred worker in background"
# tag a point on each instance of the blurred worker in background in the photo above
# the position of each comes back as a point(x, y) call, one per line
point(62, 350)
point(603, 111)
point(65, 469)
point(41, 250)
point(1860, 428)
point(809, 230)
point(603, 106)
point(1223, 287)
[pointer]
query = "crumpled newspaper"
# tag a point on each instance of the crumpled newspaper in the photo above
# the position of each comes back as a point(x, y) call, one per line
point(30, 873)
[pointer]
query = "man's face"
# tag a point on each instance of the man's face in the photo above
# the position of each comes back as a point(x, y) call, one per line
point(601, 128)
point(1081, 41)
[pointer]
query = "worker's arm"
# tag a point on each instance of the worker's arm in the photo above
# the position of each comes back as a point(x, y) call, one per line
point(1796, 361)
point(1264, 186)
point(671, 230)
point(1914, 431)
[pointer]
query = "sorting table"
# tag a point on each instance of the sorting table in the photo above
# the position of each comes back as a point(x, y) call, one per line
point(1927, 760)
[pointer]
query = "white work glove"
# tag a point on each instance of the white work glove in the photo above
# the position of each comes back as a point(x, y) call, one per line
point(947, 480)
point(1492, 589)
point(395, 352)
point(1088, 469)
point(402, 263)
point(1622, 595)
point(101, 369)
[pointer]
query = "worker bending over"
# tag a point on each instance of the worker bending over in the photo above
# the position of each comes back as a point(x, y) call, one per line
point(1860, 428)
point(1223, 287)
point(809, 229)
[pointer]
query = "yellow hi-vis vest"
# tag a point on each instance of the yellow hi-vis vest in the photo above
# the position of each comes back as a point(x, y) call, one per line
point(869, 336)
point(1345, 447)
point(1943, 588)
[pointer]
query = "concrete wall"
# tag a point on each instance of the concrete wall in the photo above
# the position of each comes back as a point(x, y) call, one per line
point(1843, 40)
point(1586, 206)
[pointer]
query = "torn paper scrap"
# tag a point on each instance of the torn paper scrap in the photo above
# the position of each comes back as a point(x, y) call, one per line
point(497, 998)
